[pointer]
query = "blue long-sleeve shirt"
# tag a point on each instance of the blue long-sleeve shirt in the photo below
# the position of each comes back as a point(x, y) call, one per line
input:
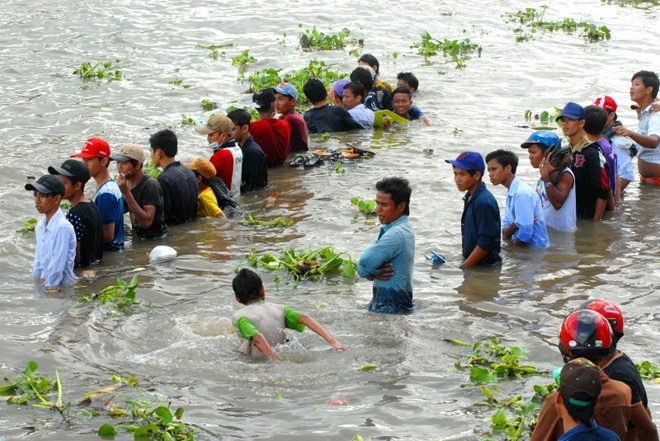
point(523, 207)
point(395, 244)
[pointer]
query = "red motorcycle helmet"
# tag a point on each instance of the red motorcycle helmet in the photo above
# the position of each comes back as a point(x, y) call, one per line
point(610, 311)
point(585, 333)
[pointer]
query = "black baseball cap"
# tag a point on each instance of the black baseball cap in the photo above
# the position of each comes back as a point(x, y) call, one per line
point(72, 168)
point(47, 184)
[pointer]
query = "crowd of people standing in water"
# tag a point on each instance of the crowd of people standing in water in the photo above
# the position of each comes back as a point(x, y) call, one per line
point(582, 179)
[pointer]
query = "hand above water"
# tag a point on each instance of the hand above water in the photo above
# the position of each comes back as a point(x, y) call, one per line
point(385, 271)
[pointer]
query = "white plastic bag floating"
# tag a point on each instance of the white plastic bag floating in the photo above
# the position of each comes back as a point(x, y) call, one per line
point(162, 253)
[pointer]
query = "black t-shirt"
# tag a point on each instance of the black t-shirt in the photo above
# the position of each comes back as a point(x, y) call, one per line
point(86, 220)
point(149, 192)
point(254, 174)
point(330, 119)
point(591, 180)
point(624, 370)
point(180, 191)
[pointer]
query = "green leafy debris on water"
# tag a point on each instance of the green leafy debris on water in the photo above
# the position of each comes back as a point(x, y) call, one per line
point(366, 206)
point(207, 105)
point(242, 60)
point(121, 296)
point(278, 222)
point(150, 170)
point(315, 40)
point(457, 342)
point(31, 386)
point(531, 20)
point(367, 367)
point(108, 70)
point(28, 226)
point(649, 371)
point(490, 360)
point(306, 264)
point(178, 82)
point(214, 49)
point(455, 51)
point(187, 121)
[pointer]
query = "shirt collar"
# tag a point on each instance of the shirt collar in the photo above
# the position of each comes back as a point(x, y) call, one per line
point(581, 143)
point(55, 219)
point(401, 220)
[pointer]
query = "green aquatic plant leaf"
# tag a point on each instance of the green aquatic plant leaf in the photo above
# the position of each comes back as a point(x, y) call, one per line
point(278, 222)
point(367, 367)
point(107, 430)
point(29, 226)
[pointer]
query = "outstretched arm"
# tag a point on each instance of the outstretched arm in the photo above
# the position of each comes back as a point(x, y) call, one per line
point(320, 330)
point(264, 347)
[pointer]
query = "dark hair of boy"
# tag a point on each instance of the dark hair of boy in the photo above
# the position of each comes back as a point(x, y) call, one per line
point(166, 141)
point(650, 79)
point(402, 89)
point(409, 78)
point(240, 117)
point(247, 286)
point(504, 158)
point(398, 189)
point(363, 76)
point(371, 61)
point(315, 91)
point(357, 88)
point(595, 119)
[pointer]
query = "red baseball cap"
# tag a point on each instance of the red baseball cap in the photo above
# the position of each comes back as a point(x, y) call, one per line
point(94, 148)
point(606, 102)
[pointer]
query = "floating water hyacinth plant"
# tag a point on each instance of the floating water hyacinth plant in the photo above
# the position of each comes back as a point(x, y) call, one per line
point(454, 50)
point(315, 40)
point(30, 386)
point(306, 264)
point(366, 206)
point(28, 226)
point(281, 222)
point(121, 295)
point(108, 70)
point(532, 20)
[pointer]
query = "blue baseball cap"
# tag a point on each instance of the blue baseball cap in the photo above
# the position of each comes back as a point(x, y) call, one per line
point(571, 111)
point(469, 161)
point(338, 87)
point(287, 89)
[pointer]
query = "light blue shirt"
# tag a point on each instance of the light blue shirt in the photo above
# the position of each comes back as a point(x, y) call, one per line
point(55, 255)
point(523, 207)
point(649, 124)
point(395, 244)
point(363, 115)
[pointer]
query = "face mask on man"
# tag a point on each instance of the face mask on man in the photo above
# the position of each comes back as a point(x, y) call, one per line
point(214, 145)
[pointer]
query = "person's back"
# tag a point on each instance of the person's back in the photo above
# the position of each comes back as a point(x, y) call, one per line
point(271, 134)
point(179, 193)
point(323, 118)
point(591, 180)
point(612, 411)
point(329, 118)
point(261, 324)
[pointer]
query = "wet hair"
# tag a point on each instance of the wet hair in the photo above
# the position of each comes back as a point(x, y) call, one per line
point(504, 158)
point(650, 79)
point(357, 88)
point(363, 76)
point(166, 141)
point(371, 61)
point(315, 91)
point(582, 414)
point(595, 119)
point(402, 89)
point(247, 286)
point(240, 117)
point(410, 79)
point(398, 189)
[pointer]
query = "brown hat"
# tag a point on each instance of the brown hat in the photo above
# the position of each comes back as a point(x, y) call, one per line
point(216, 123)
point(203, 167)
point(579, 383)
point(127, 152)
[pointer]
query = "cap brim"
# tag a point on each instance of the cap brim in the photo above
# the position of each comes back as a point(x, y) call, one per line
point(38, 187)
point(121, 158)
point(456, 163)
point(59, 171)
point(204, 130)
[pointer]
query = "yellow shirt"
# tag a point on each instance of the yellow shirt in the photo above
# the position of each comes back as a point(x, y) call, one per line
point(207, 204)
